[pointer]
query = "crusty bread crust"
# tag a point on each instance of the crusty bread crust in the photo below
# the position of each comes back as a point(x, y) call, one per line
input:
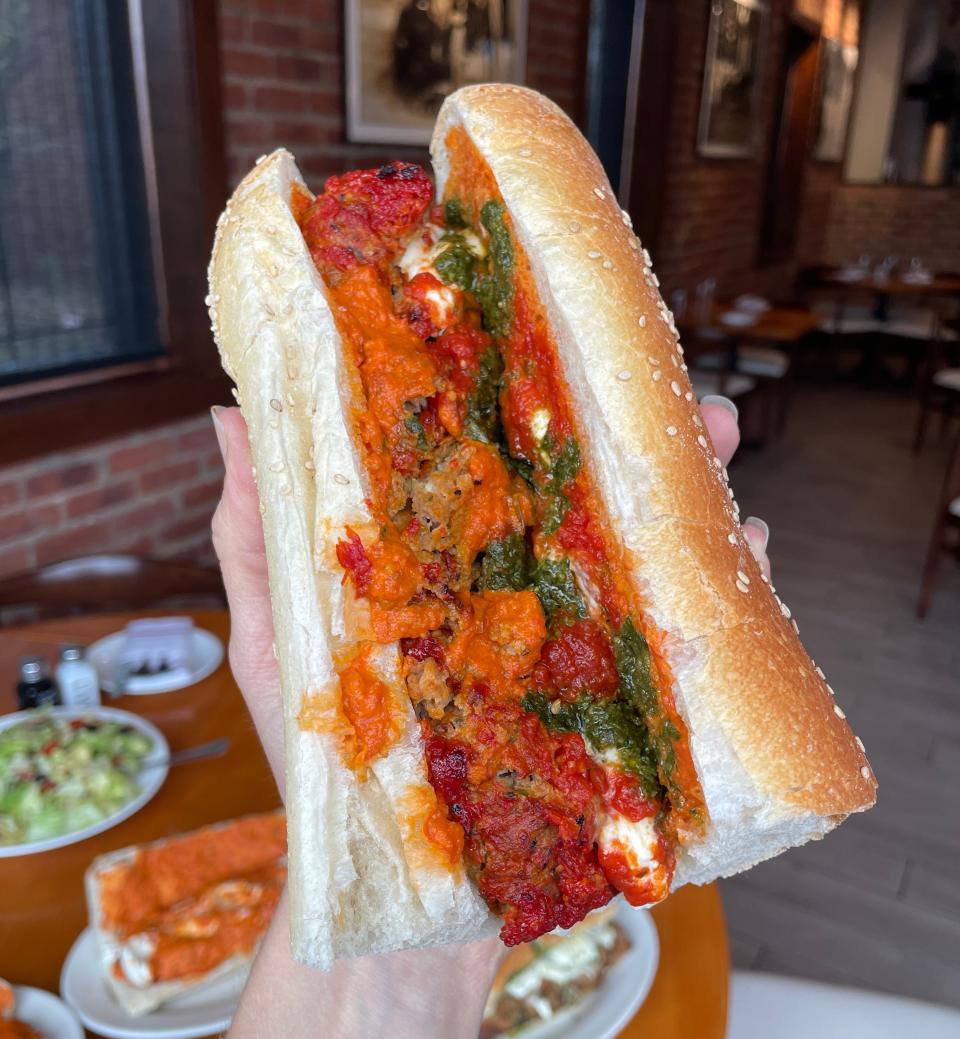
point(357, 884)
point(777, 761)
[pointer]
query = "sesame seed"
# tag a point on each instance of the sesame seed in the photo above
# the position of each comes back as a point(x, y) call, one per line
point(277, 467)
point(784, 609)
point(598, 192)
point(859, 743)
point(556, 707)
point(865, 772)
point(259, 160)
point(340, 479)
point(309, 466)
point(276, 405)
point(643, 320)
point(574, 226)
point(675, 386)
point(764, 578)
point(525, 153)
point(671, 431)
point(676, 363)
point(290, 400)
point(794, 625)
point(656, 281)
point(730, 493)
point(743, 577)
point(625, 217)
point(624, 376)
point(688, 396)
point(742, 587)
point(702, 441)
point(646, 258)
point(683, 367)
point(732, 538)
point(819, 671)
point(634, 244)
point(837, 711)
point(594, 254)
point(717, 462)
point(607, 264)
point(655, 361)
point(698, 422)
point(830, 689)
point(657, 375)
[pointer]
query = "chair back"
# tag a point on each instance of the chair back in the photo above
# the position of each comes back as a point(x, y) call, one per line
point(105, 582)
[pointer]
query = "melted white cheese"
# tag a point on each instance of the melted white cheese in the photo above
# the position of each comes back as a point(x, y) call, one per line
point(637, 841)
point(578, 955)
point(539, 424)
point(134, 957)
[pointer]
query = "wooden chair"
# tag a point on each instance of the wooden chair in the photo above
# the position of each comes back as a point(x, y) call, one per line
point(946, 530)
point(939, 385)
point(99, 583)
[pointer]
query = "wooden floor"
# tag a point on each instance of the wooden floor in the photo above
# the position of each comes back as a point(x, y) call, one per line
point(877, 903)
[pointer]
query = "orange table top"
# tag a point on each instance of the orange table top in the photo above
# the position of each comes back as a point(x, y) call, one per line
point(43, 906)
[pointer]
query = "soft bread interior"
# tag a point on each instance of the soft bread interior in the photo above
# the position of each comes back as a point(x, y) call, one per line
point(357, 883)
point(777, 762)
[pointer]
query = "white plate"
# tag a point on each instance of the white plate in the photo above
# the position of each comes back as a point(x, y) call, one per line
point(206, 654)
point(51, 1017)
point(206, 1012)
point(750, 304)
point(150, 779)
point(738, 319)
point(604, 1013)
point(916, 277)
point(851, 274)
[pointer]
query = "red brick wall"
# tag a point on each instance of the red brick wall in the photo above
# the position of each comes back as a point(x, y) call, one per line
point(283, 73)
point(886, 219)
point(151, 493)
point(283, 78)
point(713, 207)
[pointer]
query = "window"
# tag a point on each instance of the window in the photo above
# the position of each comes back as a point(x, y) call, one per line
point(112, 176)
point(76, 285)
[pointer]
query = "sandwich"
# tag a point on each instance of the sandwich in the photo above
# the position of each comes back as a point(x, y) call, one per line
point(552, 975)
point(528, 660)
point(184, 912)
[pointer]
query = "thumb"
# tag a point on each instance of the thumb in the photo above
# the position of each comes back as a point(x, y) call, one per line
point(238, 541)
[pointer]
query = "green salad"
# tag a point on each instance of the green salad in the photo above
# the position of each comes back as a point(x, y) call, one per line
point(58, 775)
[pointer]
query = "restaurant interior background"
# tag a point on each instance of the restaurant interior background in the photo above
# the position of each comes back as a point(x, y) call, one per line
point(835, 177)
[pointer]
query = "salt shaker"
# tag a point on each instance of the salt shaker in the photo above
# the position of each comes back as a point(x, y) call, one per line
point(77, 679)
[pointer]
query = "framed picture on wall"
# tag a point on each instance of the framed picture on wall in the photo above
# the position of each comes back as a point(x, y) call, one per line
point(730, 105)
point(837, 75)
point(404, 57)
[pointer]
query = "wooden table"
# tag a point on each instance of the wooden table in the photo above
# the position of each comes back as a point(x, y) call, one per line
point(782, 325)
point(941, 284)
point(42, 907)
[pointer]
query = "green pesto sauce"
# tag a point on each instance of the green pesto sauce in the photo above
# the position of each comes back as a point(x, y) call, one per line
point(556, 589)
point(494, 289)
point(453, 213)
point(457, 265)
point(564, 467)
point(608, 724)
point(506, 565)
point(483, 405)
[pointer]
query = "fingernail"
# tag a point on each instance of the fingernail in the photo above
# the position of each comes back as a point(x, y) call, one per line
point(219, 430)
point(762, 536)
point(721, 402)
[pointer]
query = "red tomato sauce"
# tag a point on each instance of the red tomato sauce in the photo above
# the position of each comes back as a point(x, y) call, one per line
point(521, 803)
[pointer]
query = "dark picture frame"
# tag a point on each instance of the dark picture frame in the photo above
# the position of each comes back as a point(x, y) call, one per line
point(404, 56)
point(731, 98)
